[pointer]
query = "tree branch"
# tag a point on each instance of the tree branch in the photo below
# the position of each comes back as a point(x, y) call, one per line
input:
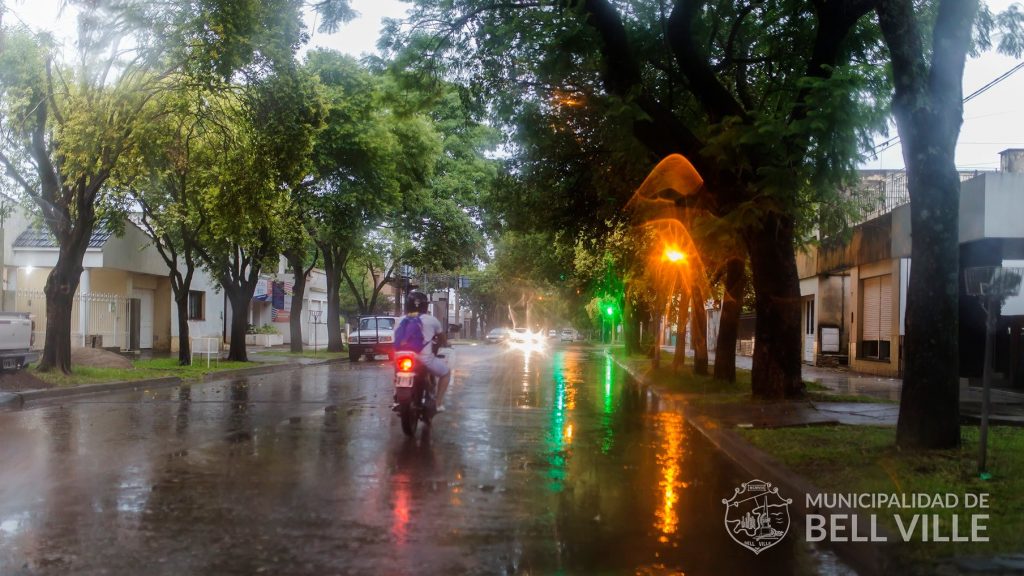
point(717, 101)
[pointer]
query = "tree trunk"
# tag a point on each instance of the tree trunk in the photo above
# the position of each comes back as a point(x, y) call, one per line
point(728, 323)
point(700, 331)
point(930, 400)
point(663, 308)
point(332, 268)
point(679, 358)
point(928, 107)
point(184, 343)
point(776, 370)
point(295, 314)
point(239, 323)
point(631, 321)
point(60, 288)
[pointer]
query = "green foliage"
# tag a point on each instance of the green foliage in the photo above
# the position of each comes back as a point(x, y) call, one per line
point(265, 329)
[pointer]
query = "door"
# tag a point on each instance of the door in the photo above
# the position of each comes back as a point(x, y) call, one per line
point(146, 299)
point(133, 323)
point(809, 331)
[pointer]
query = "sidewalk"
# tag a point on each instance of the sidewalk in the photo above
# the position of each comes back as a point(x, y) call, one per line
point(718, 423)
point(1007, 406)
point(264, 361)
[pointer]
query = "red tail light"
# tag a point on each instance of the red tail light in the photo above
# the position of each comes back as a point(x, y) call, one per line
point(405, 365)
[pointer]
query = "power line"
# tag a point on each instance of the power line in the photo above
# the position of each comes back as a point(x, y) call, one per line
point(883, 146)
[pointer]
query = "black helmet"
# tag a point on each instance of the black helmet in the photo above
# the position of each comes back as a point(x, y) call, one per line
point(416, 301)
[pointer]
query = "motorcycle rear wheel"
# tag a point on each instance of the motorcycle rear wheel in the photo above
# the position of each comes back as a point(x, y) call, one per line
point(409, 419)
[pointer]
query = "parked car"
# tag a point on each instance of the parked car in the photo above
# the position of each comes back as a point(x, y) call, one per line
point(497, 336)
point(17, 334)
point(552, 333)
point(374, 335)
point(568, 335)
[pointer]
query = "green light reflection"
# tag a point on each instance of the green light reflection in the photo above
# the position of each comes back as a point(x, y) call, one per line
point(557, 454)
point(607, 433)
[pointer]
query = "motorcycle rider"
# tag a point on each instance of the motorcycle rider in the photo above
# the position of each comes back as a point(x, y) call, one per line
point(416, 304)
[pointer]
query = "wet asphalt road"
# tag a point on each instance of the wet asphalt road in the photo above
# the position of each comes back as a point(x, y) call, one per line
point(545, 463)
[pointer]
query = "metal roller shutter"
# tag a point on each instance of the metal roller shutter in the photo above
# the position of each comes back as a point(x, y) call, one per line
point(870, 316)
point(885, 311)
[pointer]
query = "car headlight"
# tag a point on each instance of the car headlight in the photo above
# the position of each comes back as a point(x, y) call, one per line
point(353, 339)
point(385, 338)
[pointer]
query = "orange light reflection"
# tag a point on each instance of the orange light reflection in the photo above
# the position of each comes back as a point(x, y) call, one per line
point(666, 518)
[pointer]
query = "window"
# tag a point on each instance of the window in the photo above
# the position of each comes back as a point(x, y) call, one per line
point(195, 305)
point(377, 324)
point(876, 328)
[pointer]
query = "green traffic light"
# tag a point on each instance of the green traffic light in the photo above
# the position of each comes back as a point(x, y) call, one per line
point(609, 310)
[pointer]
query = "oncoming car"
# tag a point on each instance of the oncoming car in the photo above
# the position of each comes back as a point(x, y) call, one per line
point(523, 338)
point(497, 336)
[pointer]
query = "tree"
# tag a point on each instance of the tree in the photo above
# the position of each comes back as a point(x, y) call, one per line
point(65, 127)
point(929, 111)
point(372, 266)
point(768, 114)
point(63, 133)
point(271, 135)
point(355, 180)
point(178, 156)
point(302, 256)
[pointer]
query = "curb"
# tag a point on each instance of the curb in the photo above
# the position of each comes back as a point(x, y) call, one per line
point(50, 393)
point(873, 559)
point(20, 399)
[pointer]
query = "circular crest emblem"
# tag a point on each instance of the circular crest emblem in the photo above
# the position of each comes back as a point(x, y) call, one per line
point(756, 517)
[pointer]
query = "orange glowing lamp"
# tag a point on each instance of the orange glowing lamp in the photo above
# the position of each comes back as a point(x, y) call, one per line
point(405, 365)
point(674, 255)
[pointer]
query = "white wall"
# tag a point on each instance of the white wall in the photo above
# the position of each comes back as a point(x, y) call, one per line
point(990, 206)
point(972, 208)
point(213, 301)
point(13, 225)
point(134, 251)
point(1004, 205)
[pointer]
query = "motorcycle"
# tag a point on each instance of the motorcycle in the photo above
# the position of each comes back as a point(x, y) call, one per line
point(415, 391)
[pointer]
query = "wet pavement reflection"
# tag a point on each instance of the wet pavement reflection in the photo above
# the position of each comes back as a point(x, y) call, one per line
point(545, 463)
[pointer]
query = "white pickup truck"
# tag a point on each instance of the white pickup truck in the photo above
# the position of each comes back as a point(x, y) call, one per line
point(17, 335)
point(374, 335)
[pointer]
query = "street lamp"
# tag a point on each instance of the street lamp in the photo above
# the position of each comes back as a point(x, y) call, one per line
point(609, 311)
point(675, 257)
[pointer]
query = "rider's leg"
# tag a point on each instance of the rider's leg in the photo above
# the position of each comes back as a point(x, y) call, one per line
point(442, 371)
point(442, 387)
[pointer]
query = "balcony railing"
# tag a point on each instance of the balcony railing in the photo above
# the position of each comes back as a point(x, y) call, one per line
point(881, 193)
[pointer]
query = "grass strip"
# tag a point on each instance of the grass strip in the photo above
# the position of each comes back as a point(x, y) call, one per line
point(141, 370)
point(865, 459)
point(716, 391)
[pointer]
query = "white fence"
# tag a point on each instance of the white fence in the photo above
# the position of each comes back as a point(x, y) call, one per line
point(107, 318)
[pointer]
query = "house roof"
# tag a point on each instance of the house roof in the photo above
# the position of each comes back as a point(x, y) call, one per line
point(41, 238)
